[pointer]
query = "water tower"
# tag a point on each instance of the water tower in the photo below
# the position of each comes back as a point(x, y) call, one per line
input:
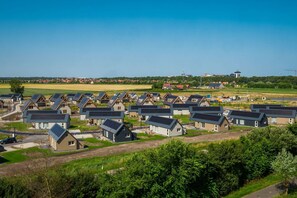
point(237, 74)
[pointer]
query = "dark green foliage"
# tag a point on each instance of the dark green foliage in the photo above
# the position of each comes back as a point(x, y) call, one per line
point(175, 169)
point(16, 86)
point(11, 189)
point(293, 128)
point(167, 171)
point(226, 165)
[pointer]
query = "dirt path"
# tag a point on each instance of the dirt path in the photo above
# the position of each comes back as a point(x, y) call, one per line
point(27, 166)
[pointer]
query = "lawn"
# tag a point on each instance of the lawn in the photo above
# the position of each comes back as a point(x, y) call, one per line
point(142, 137)
point(18, 126)
point(98, 164)
point(235, 128)
point(183, 119)
point(196, 132)
point(25, 154)
point(254, 186)
point(93, 143)
point(76, 124)
point(134, 121)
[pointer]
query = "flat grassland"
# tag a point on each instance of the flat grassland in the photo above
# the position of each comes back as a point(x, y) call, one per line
point(83, 87)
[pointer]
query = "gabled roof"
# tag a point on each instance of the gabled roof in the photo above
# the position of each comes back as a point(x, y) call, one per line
point(48, 118)
point(27, 103)
point(134, 108)
point(167, 123)
point(83, 111)
point(70, 95)
point(155, 111)
point(112, 102)
point(215, 85)
point(11, 96)
point(123, 95)
point(36, 97)
point(182, 106)
point(264, 106)
point(90, 95)
point(58, 102)
point(105, 114)
point(206, 118)
point(101, 95)
point(141, 100)
point(284, 108)
point(275, 113)
point(57, 132)
point(6, 96)
point(207, 110)
point(247, 115)
point(172, 99)
point(38, 112)
point(77, 96)
point(112, 126)
point(55, 96)
point(156, 94)
point(196, 97)
point(84, 102)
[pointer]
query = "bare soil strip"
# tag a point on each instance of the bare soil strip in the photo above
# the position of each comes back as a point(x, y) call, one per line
point(43, 163)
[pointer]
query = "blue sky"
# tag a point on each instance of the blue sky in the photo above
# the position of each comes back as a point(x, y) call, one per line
point(140, 38)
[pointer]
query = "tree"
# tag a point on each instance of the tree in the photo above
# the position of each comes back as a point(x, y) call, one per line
point(285, 165)
point(16, 86)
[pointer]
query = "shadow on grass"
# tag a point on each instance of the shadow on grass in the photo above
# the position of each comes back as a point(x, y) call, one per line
point(3, 160)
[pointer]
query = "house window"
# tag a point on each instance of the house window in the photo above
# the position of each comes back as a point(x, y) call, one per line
point(202, 125)
point(241, 122)
point(45, 125)
point(127, 135)
point(71, 143)
point(178, 129)
point(119, 108)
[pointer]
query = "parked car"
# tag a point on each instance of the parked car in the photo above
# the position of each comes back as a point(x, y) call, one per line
point(8, 140)
point(1, 148)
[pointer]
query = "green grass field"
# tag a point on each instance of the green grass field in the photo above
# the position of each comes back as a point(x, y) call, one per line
point(183, 119)
point(97, 164)
point(196, 132)
point(76, 123)
point(18, 126)
point(254, 186)
point(93, 143)
point(25, 154)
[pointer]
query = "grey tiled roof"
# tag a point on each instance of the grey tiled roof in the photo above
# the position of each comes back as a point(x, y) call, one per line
point(57, 132)
point(112, 126)
point(206, 118)
point(167, 123)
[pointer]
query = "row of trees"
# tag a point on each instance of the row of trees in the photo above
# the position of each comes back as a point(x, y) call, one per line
point(175, 169)
point(255, 82)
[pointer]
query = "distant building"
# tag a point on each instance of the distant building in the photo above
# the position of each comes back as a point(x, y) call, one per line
point(167, 86)
point(216, 86)
point(237, 74)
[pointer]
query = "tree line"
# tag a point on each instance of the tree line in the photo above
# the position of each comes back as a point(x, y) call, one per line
point(157, 81)
point(175, 169)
